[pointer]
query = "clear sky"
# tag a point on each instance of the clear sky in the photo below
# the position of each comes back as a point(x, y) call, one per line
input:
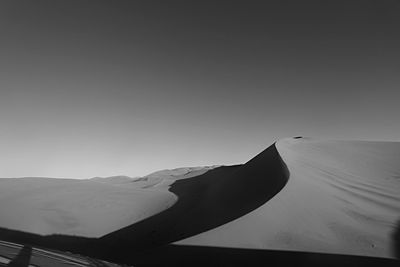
point(101, 88)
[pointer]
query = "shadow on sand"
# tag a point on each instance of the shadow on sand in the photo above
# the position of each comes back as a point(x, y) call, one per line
point(205, 202)
point(176, 255)
point(396, 240)
point(23, 258)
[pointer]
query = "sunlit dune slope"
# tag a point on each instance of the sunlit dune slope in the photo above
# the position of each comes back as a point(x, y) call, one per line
point(76, 207)
point(341, 197)
point(91, 207)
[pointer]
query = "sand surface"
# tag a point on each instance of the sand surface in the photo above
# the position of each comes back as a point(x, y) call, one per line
point(341, 197)
point(204, 202)
point(300, 194)
point(91, 207)
point(85, 208)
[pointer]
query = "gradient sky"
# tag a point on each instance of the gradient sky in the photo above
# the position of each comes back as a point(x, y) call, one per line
point(100, 88)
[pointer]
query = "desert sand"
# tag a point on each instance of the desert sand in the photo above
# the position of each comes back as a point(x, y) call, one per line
point(295, 200)
point(73, 207)
point(341, 197)
point(89, 207)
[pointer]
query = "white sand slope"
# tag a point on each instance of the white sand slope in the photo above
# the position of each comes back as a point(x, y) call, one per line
point(73, 207)
point(92, 207)
point(341, 197)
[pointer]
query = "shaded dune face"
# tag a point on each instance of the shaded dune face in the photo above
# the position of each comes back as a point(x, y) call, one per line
point(204, 202)
point(341, 197)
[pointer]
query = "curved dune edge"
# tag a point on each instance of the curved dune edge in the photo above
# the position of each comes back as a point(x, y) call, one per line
point(342, 197)
point(76, 207)
point(205, 202)
point(89, 207)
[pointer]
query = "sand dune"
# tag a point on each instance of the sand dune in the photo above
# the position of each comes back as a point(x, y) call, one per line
point(73, 207)
point(300, 194)
point(165, 178)
point(204, 202)
point(119, 179)
point(91, 207)
point(342, 197)
point(180, 173)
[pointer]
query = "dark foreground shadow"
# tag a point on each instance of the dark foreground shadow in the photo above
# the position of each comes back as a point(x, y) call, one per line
point(176, 255)
point(23, 258)
point(396, 240)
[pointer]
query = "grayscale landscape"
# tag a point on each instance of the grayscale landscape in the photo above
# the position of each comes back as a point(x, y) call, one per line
point(199, 133)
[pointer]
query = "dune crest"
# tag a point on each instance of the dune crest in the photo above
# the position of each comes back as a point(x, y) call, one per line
point(204, 202)
point(341, 197)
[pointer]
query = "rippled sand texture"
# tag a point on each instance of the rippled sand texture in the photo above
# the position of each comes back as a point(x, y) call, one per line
point(341, 197)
